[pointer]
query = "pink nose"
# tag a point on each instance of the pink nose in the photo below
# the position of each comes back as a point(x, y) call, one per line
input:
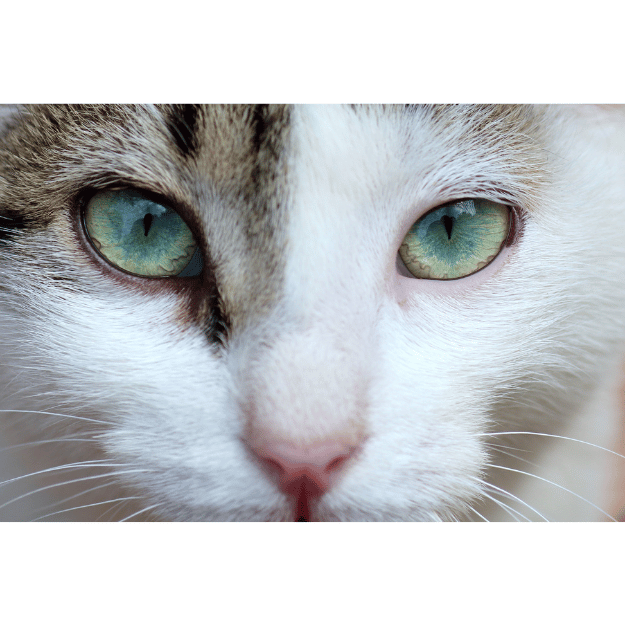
point(313, 468)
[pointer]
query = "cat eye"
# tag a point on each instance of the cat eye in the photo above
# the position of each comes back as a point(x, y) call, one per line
point(456, 240)
point(140, 236)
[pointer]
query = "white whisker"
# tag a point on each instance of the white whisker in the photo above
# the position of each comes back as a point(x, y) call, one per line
point(494, 466)
point(82, 479)
point(57, 414)
point(515, 456)
point(83, 492)
point(506, 447)
point(89, 505)
point(511, 511)
point(472, 509)
point(66, 467)
point(566, 438)
point(76, 496)
point(508, 494)
point(113, 510)
point(45, 442)
point(138, 513)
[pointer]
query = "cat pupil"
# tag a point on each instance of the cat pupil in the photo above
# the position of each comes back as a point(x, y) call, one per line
point(147, 223)
point(448, 222)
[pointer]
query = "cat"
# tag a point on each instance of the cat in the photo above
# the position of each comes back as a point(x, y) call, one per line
point(311, 313)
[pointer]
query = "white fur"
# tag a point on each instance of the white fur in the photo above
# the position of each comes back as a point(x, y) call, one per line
point(419, 371)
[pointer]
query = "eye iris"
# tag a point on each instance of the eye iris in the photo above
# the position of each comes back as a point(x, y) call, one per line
point(141, 236)
point(455, 240)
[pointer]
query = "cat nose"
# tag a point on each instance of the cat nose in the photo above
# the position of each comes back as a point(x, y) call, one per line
point(314, 467)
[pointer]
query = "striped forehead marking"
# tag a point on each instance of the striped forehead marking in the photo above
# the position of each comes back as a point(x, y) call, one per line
point(229, 163)
point(240, 154)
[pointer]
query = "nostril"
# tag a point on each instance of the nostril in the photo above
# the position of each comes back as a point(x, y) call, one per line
point(337, 463)
point(273, 464)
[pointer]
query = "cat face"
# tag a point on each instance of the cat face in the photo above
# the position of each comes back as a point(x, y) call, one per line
point(374, 290)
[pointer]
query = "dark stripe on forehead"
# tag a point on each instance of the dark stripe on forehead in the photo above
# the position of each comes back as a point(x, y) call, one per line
point(259, 123)
point(225, 163)
point(260, 135)
point(183, 123)
point(243, 159)
point(270, 124)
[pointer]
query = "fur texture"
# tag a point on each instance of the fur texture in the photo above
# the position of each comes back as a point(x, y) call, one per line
point(303, 328)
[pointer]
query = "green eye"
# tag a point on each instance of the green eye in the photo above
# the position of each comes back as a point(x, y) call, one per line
point(140, 236)
point(455, 240)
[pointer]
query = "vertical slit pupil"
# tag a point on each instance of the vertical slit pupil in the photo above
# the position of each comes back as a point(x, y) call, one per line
point(147, 222)
point(448, 222)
